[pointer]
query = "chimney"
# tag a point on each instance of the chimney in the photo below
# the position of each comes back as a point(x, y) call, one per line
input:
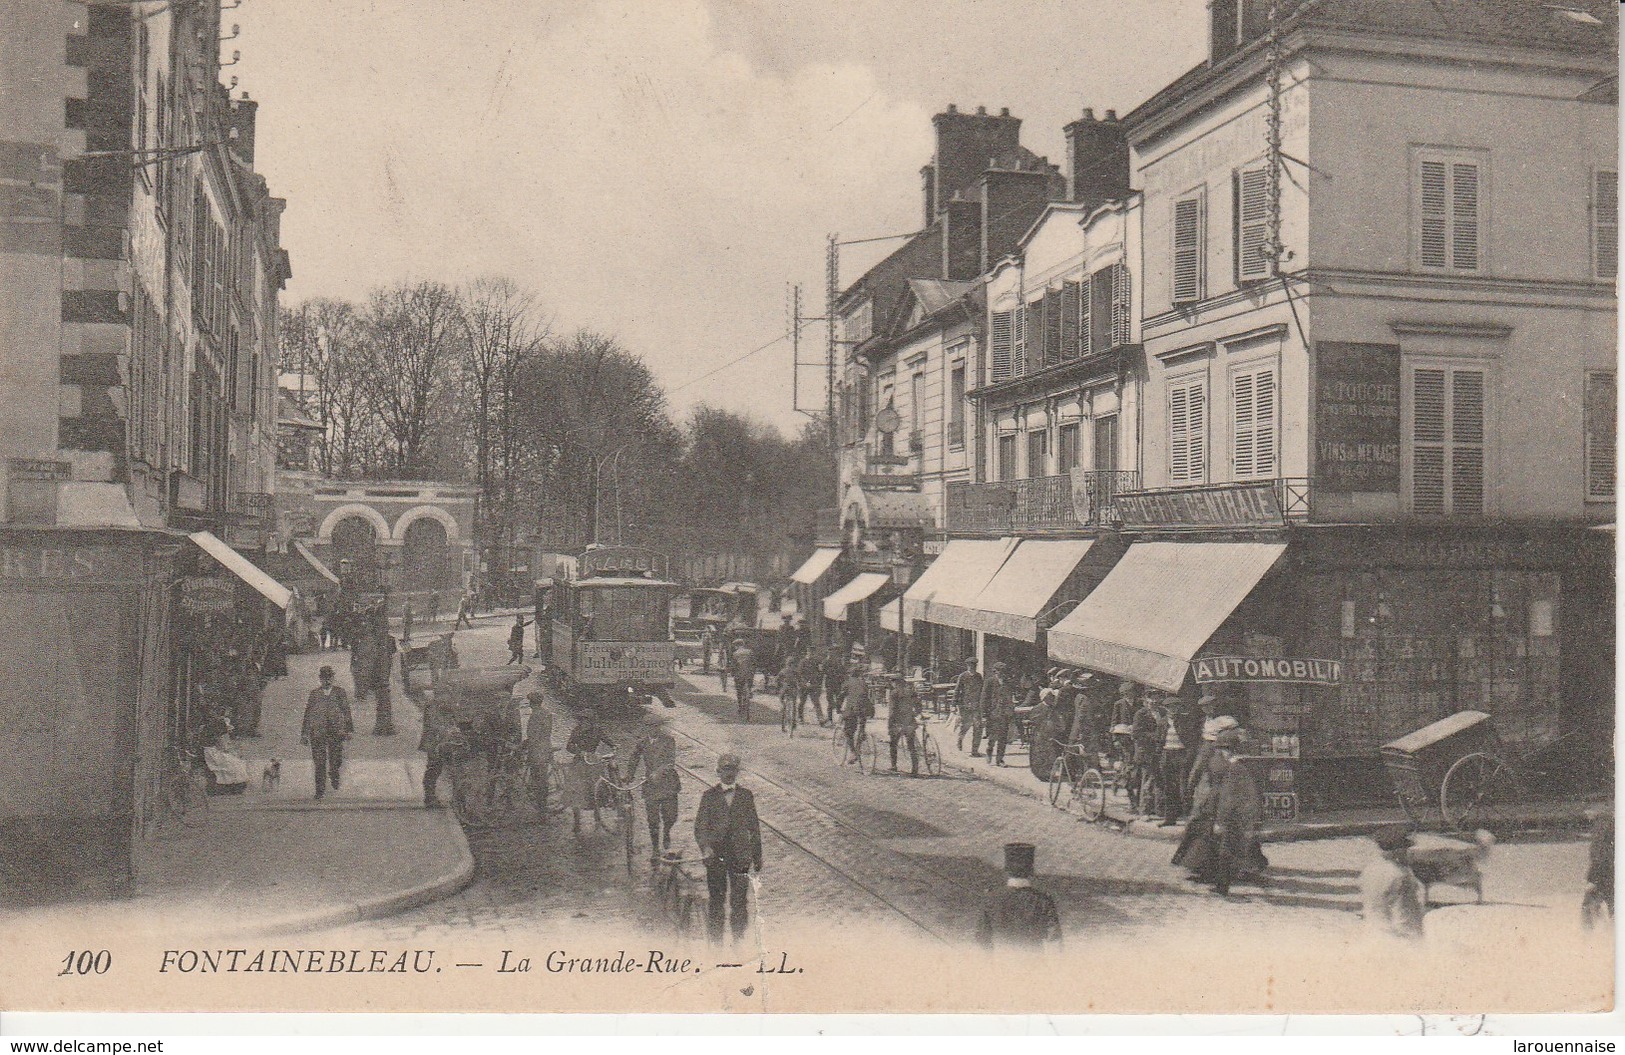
point(928, 189)
point(966, 143)
point(1096, 158)
point(240, 115)
point(1011, 199)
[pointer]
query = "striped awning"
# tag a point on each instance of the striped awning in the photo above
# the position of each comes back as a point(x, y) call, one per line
point(1158, 607)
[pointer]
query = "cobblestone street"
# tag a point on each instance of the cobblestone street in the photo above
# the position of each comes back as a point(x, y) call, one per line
point(845, 848)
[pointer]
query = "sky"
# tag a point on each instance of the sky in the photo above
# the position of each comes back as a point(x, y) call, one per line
point(659, 170)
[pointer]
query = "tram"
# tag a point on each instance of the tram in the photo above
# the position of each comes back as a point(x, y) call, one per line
point(611, 643)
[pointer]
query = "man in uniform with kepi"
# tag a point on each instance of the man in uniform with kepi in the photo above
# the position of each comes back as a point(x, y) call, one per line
point(1019, 917)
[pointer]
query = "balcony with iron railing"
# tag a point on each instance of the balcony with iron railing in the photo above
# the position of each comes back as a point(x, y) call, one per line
point(1039, 505)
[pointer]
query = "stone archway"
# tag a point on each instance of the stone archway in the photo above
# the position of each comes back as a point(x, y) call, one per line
point(380, 526)
point(353, 545)
point(417, 514)
point(426, 556)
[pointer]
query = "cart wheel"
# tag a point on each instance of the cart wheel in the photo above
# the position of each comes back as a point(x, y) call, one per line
point(1414, 801)
point(933, 755)
point(1091, 795)
point(1477, 793)
point(1057, 782)
point(869, 755)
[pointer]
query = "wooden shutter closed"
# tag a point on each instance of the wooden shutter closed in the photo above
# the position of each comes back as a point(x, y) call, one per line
point(1252, 225)
point(1187, 433)
point(1434, 220)
point(1605, 224)
point(1035, 337)
point(1100, 310)
point(1054, 308)
point(1466, 442)
point(1086, 343)
point(1464, 216)
point(1018, 346)
point(1120, 304)
point(1001, 344)
point(1600, 429)
point(1253, 412)
point(1428, 442)
point(1187, 284)
point(1069, 320)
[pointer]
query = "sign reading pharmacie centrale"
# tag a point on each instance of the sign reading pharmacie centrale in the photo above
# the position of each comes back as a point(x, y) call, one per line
point(1211, 669)
point(1245, 505)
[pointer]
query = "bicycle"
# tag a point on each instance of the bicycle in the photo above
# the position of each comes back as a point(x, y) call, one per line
point(619, 797)
point(844, 753)
point(930, 753)
point(678, 890)
point(1078, 777)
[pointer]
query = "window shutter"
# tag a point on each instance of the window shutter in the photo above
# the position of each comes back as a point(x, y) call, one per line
point(1120, 303)
point(1187, 433)
point(1464, 216)
point(1252, 225)
point(1600, 407)
point(1054, 309)
point(1086, 344)
point(1253, 401)
point(1018, 346)
point(1427, 442)
point(1434, 220)
point(1100, 311)
point(1467, 442)
point(1605, 225)
point(1034, 359)
point(1001, 344)
point(1069, 320)
point(1187, 250)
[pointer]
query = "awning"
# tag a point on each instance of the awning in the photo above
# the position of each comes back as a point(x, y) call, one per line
point(891, 616)
point(1023, 589)
point(1158, 607)
point(814, 567)
point(243, 568)
point(859, 589)
point(315, 562)
point(954, 579)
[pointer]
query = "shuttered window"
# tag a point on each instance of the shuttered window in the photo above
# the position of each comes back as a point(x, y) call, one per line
point(1034, 328)
point(1018, 344)
point(1120, 303)
point(1447, 441)
point(1253, 414)
point(1252, 225)
point(1605, 224)
point(1101, 286)
point(1070, 294)
point(1600, 402)
point(1066, 448)
point(1037, 453)
point(1187, 431)
point(1054, 309)
point(1449, 212)
point(1086, 342)
point(1007, 456)
point(1189, 219)
point(1001, 344)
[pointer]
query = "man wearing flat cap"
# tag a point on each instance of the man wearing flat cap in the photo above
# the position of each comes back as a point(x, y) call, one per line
point(730, 838)
point(1390, 894)
point(1019, 916)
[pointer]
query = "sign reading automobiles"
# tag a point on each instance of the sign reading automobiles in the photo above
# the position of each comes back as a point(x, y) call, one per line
point(1210, 669)
point(611, 662)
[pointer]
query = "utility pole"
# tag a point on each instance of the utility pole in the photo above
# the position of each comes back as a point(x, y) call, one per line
point(832, 280)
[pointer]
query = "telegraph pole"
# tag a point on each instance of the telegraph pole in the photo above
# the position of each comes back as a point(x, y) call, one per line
point(832, 279)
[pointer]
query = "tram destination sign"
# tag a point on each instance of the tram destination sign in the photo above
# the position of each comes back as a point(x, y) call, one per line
point(1209, 670)
point(630, 561)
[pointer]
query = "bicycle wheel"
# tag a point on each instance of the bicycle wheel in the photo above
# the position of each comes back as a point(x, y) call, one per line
point(606, 810)
point(1478, 792)
point(1057, 782)
point(869, 755)
point(932, 754)
point(1090, 791)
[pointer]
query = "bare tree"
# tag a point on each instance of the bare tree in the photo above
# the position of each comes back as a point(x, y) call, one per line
point(324, 342)
point(414, 335)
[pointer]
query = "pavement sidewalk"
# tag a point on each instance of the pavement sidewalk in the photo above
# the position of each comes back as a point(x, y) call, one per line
point(274, 860)
point(1338, 824)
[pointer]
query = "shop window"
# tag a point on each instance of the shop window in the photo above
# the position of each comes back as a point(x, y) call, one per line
point(1253, 417)
point(1601, 400)
point(1187, 430)
point(1448, 210)
point(1447, 434)
point(1066, 448)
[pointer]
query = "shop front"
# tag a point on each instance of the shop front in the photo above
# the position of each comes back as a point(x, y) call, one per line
point(855, 608)
point(82, 704)
point(810, 584)
point(951, 584)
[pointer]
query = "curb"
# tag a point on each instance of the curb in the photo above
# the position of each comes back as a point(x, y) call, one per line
point(439, 888)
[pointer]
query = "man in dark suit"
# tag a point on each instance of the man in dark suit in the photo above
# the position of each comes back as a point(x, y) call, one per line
point(730, 838)
point(1019, 917)
point(327, 724)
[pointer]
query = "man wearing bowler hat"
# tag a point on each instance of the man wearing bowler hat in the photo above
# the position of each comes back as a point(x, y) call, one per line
point(730, 838)
point(1019, 917)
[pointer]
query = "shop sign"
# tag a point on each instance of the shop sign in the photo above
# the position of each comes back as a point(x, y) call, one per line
point(40, 563)
point(1281, 805)
point(1356, 417)
point(1211, 669)
point(207, 595)
point(1219, 506)
point(623, 560)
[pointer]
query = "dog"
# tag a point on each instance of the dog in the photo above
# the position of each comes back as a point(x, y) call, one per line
point(271, 777)
point(1457, 865)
